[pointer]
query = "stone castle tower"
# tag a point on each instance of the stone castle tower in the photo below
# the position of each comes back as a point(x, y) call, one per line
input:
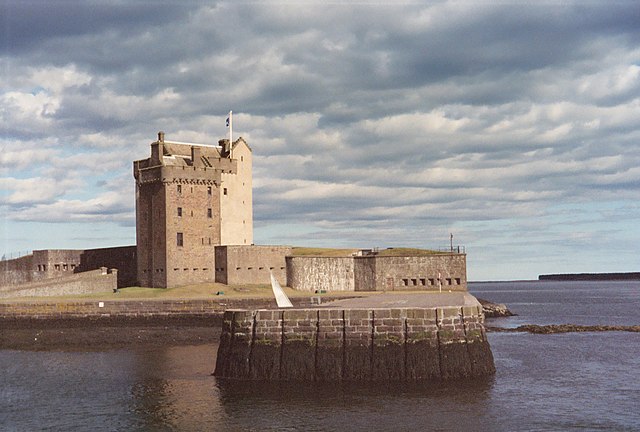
point(189, 199)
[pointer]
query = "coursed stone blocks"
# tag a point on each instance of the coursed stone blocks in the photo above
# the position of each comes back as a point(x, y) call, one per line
point(354, 344)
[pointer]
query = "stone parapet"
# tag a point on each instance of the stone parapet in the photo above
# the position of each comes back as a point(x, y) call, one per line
point(393, 344)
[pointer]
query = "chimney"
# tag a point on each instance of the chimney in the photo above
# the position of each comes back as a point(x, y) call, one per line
point(156, 150)
point(196, 156)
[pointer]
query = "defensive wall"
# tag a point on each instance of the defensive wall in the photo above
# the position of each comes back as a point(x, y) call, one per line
point(236, 265)
point(354, 344)
point(56, 263)
point(93, 281)
point(438, 271)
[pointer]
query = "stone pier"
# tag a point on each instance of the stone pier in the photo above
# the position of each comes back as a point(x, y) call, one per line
point(355, 344)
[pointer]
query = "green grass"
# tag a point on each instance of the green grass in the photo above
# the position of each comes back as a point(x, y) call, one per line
point(407, 251)
point(325, 252)
point(188, 292)
point(328, 252)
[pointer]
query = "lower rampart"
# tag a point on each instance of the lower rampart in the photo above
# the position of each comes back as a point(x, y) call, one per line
point(325, 344)
point(94, 281)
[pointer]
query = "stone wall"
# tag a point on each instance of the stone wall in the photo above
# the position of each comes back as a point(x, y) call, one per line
point(95, 281)
point(310, 273)
point(429, 272)
point(446, 271)
point(354, 344)
point(237, 265)
point(111, 306)
point(55, 263)
point(123, 258)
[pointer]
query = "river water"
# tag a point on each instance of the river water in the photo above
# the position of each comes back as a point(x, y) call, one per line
point(557, 382)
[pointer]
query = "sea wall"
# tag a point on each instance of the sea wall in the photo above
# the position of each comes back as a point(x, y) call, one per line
point(111, 306)
point(330, 344)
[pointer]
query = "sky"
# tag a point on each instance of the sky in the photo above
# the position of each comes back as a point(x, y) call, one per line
point(513, 126)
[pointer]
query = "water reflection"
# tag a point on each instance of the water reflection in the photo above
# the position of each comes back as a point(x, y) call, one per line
point(173, 383)
point(353, 406)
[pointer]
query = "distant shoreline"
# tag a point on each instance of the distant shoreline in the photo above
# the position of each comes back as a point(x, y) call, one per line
point(590, 276)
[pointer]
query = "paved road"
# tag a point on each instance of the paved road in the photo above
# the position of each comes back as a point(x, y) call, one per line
point(396, 300)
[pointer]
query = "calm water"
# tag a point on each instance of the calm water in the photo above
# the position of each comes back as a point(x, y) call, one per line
point(580, 381)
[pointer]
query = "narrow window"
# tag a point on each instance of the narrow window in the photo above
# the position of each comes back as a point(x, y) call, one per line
point(457, 281)
point(209, 190)
point(179, 239)
point(209, 213)
point(423, 282)
point(405, 282)
point(179, 211)
point(179, 189)
point(57, 266)
point(224, 191)
point(414, 282)
point(65, 267)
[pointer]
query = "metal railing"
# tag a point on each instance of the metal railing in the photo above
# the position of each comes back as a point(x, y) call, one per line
point(452, 249)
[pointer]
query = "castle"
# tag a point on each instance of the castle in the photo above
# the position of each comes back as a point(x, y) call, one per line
point(194, 224)
point(189, 199)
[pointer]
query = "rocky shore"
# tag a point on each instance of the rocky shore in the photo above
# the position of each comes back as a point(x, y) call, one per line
point(494, 310)
point(562, 328)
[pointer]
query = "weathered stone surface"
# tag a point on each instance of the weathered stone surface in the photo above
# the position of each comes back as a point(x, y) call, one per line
point(391, 344)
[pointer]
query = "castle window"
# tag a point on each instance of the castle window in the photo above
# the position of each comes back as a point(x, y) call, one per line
point(209, 213)
point(432, 281)
point(457, 281)
point(414, 282)
point(405, 282)
point(448, 281)
point(209, 190)
point(224, 191)
point(57, 266)
point(65, 267)
point(179, 239)
point(179, 211)
point(423, 282)
point(179, 189)
point(44, 267)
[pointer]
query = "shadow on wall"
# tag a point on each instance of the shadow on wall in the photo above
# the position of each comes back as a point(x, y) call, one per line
point(123, 258)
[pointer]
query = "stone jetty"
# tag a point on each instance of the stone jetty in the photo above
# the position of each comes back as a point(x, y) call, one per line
point(407, 337)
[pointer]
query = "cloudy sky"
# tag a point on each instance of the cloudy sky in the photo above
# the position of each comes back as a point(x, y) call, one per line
point(514, 127)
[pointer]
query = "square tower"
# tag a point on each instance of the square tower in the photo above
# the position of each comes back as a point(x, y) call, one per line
point(190, 198)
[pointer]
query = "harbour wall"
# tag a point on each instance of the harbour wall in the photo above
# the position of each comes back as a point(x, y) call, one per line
point(330, 344)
